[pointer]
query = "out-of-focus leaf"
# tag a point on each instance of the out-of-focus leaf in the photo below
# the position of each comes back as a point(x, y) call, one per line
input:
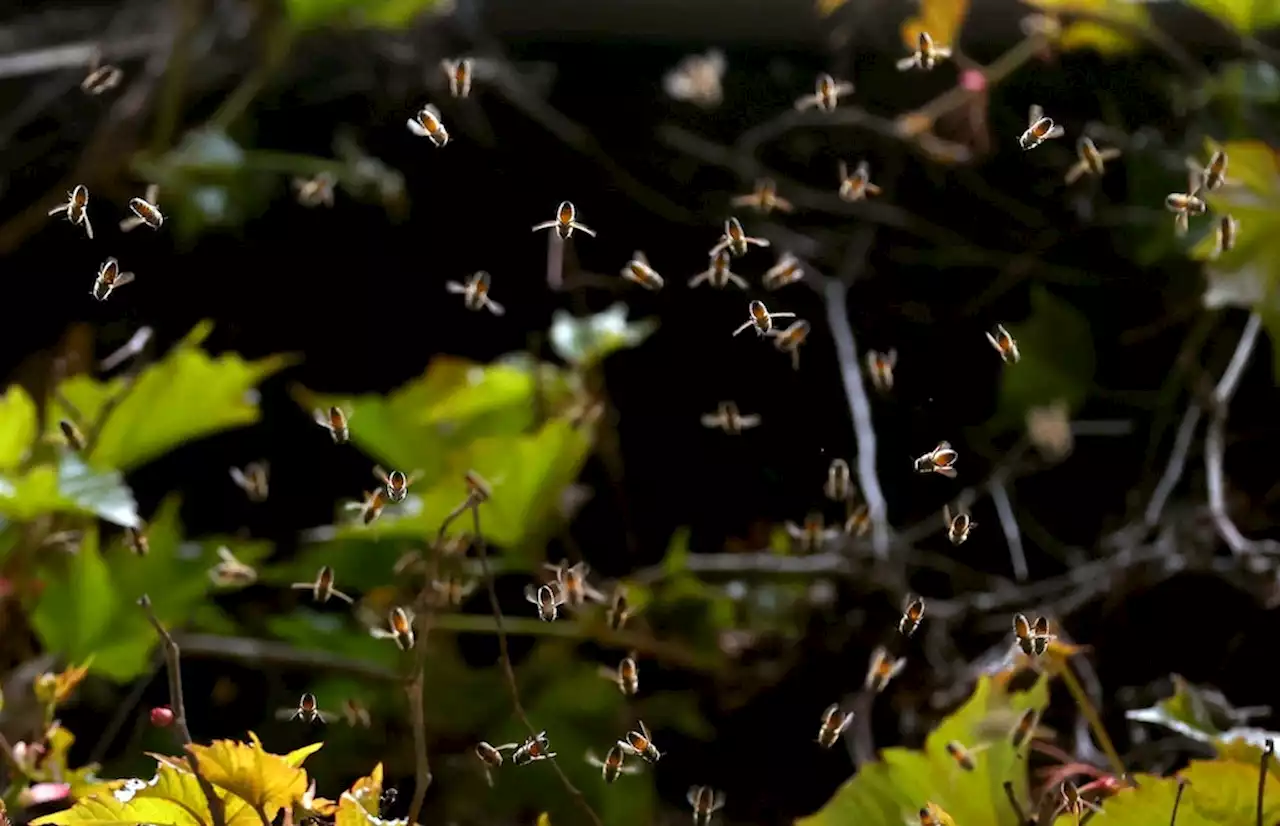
point(18, 426)
point(891, 792)
point(942, 19)
point(1057, 361)
point(73, 611)
point(388, 14)
point(827, 7)
point(586, 341)
point(1107, 39)
point(187, 395)
point(268, 782)
point(72, 487)
point(1185, 712)
point(1245, 16)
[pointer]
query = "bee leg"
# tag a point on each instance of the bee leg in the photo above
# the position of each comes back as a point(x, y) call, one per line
point(744, 326)
point(60, 208)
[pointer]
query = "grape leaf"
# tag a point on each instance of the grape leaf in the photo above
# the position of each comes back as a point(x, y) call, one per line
point(18, 426)
point(70, 487)
point(267, 782)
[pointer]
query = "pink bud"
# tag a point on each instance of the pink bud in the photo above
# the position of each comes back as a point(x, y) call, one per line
point(973, 80)
point(38, 793)
point(161, 716)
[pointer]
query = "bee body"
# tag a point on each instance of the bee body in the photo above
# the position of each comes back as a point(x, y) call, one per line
point(826, 95)
point(959, 525)
point(834, 723)
point(788, 270)
point(109, 278)
point(764, 198)
point(640, 272)
point(705, 802)
point(883, 669)
point(730, 420)
point(941, 459)
point(315, 191)
point(253, 479)
point(839, 484)
point(532, 750)
point(1032, 639)
point(335, 422)
point(427, 124)
point(926, 56)
point(77, 209)
point(856, 186)
point(912, 614)
point(547, 598)
point(736, 240)
point(1039, 129)
point(790, 339)
point(613, 765)
point(565, 222)
point(475, 293)
point(459, 74)
point(641, 743)
point(74, 438)
point(880, 368)
point(1004, 344)
point(759, 318)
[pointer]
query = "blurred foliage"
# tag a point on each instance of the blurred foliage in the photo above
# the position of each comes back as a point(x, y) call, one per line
point(942, 19)
point(1057, 360)
point(584, 342)
point(1112, 39)
point(1205, 716)
point(1245, 16)
point(391, 14)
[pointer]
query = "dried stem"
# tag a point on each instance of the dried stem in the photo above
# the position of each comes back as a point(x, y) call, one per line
point(1177, 801)
point(1081, 698)
point(414, 687)
point(1009, 525)
point(1267, 751)
point(1018, 810)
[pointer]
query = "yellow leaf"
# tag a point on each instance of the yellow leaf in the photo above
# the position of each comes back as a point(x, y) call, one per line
point(367, 791)
point(1252, 164)
point(942, 19)
point(827, 7)
point(66, 682)
point(268, 782)
point(1245, 16)
point(106, 810)
point(544, 819)
point(354, 812)
point(295, 757)
point(181, 786)
point(1104, 38)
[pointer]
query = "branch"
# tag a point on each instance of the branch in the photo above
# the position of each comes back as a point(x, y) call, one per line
point(1267, 751)
point(1009, 524)
point(259, 652)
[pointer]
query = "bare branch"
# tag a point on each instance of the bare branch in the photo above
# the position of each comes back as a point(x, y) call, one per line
point(260, 652)
point(1009, 524)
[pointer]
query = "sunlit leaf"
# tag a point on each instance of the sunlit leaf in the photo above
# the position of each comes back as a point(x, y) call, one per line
point(586, 341)
point(1185, 712)
point(942, 19)
point(1245, 16)
point(186, 396)
point(66, 681)
point(70, 487)
point(180, 785)
point(367, 791)
point(1109, 37)
point(1057, 361)
point(73, 611)
point(18, 426)
point(389, 14)
point(265, 781)
point(106, 810)
point(826, 7)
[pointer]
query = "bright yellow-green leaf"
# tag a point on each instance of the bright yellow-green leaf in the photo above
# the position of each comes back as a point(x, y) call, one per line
point(1084, 34)
point(70, 487)
point(66, 681)
point(544, 819)
point(178, 784)
point(892, 790)
point(18, 426)
point(390, 14)
point(1245, 16)
point(1057, 359)
point(296, 757)
point(187, 395)
point(367, 791)
point(942, 19)
point(265, 781)
point(106, 810)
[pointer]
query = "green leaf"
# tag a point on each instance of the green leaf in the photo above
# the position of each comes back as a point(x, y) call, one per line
point(186, 396)
point(268, 782)
point(106, 810)
point(891, 791)
point(72, 488)
point(1245, 16)
point(177, 784)
point(1187, 712)
point(389, 14)
point(1106, 39)
point(586, 341)
point(18, 426)
point(1057, 361)
point(73, 611)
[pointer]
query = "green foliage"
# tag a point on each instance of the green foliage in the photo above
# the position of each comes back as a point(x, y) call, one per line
point(1057, 362)
point(389, 14)
point(584, 342)
point(69, 487)
point(1205, 715)
point(18, 427)
point(1245, 16)
point(892, 790)
point(1099, 36)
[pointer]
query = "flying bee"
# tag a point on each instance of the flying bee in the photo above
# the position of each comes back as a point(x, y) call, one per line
point(964, 758)
point(834, 722)
point(912, 614)
point(813, 534)
point(788, 270)
point(883, 669)
point(427, 124)
point(638, 271)
point(1032, 639)
point(396, 483)
point(1092, 160)
point(613, 764)
point(1039, 129)
point(547, 598)
point(859, 521)
point(307, 711)
point(1026, 727)
point(77, 209)
point(453, 590)
point(565, 222)
point(761, 319)
point(764, 198)
point(459, 73)
point(839, 484)
point(399, 628)
point(145, 211)
point(370, 507)
point(790, 339)
point(718, 273)
point(1214, 174)
point(641, 743)
point(880, 369)
point(705, 802)
point(231, 572)
point(491, 757)
point(736, 240)
point(1185, 204)
point(356, 714)
point(478, 488)
point(728, 419)
point(942, 459)
point(335, 422)
point(253, 480)
point(931, 814)
point(1005, 345)
point(572, 583)
point(74, 438)
point(827, 92)
point(322, 588)
point(626, 675)
point(136, 539)
point(926, 55)
point(315, 191)
point(475, 293)
point(109, 278)
point(959, 524)
point(619, 611)
point(856, 186)
point(101, 77)
point(1224, 239)
point(533, 749)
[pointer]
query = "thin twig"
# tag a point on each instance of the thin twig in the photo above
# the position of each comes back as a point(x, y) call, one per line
point(1176, 466)
point(1085, 705)
point(425, 616)
point(1267, 751)
point(1009, 525)
point(1018, 810)
point(261, 652)
point(1177, 801)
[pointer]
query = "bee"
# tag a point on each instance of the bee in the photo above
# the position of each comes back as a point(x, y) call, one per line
point(912, 614)
point(229, 571)
point(335, 422)
point(696, 79)
point(626, 675)
point(638, 270)
point(859, 521)
point(1032, 639)
point(1005, 345)
point(453, 590)
point(74, 438)
point(880, 369)
point(396, 483)
point(136, 539)
point(565, 222)
point(459, 73)
point(356, 714)
point(109, 278)
point(533, 749)
point(788, 270)
point(1039, 129)
point(307, 711)
point(735, 240)
point(399, 628)
point(827, 92)
point(315, 191)
point(77, 209)
point(1092, 160)
point(857, 186)
point(761, 319)
point(144, 211)
point(1025, 728)
point(1224, 239)
point(427, 124)
point(548, 599)
point(1073, 803)
point(252, 480)
point(619, 611)
point(959, 525)
point(491, 757)
point(613, 764)
point(964, 758)
point(764, 198)
point(718, 273)
point(322, 588)
point(370, 507)
point(834, 722)
point(941, 459)
point(571, 581)
point(790, 339)
point(641, 743)
point(839, 484)
point(728, 419)
point(883, 669)
point(813, 534)
point(926, 55)
point(478, 489)
point(1185, 204)
point(101, 77)
point(475, 293)
point(933, 815)
point(1214, 174)
point(705, 802)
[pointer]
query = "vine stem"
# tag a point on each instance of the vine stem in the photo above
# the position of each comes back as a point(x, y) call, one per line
point(1082, 701)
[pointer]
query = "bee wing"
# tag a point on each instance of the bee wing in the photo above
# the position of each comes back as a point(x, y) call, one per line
point(692, 796)
point(593, 760)
point(131, 223)
point(1042, 626)
point(153, 194)
point(720, 247)
point(123, 278)
point(237, 476)
point(1034, 113)
point(60, 208)
point(948, 472)
point(494, 307)
point(806, 102)
point(844, 171)
point(640, 256)
point(607, 673)
point(545, 225)
point(1056, 132)
point(783, 204)
point(906, 63)
point(744, 326)
point(1109, 154)
point(644, 730)
point(750, 420)
point(380, 474)
point(843, 88)
point(1180, 221)
point(699, 278)
point(750, 199)
point(531, 594)
point(334, 592)
point(1074, 173)
point(942, 51)
point(584, 228)
point(712, 420)
point(224, 553)
point(416, 128)
point(736, 280)
point(286, 713)
point(320, 418)
point(88, 228)
point(870, 188)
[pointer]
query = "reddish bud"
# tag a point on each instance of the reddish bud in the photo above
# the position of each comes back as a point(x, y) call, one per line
point(973, 80)
point(161, 716)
